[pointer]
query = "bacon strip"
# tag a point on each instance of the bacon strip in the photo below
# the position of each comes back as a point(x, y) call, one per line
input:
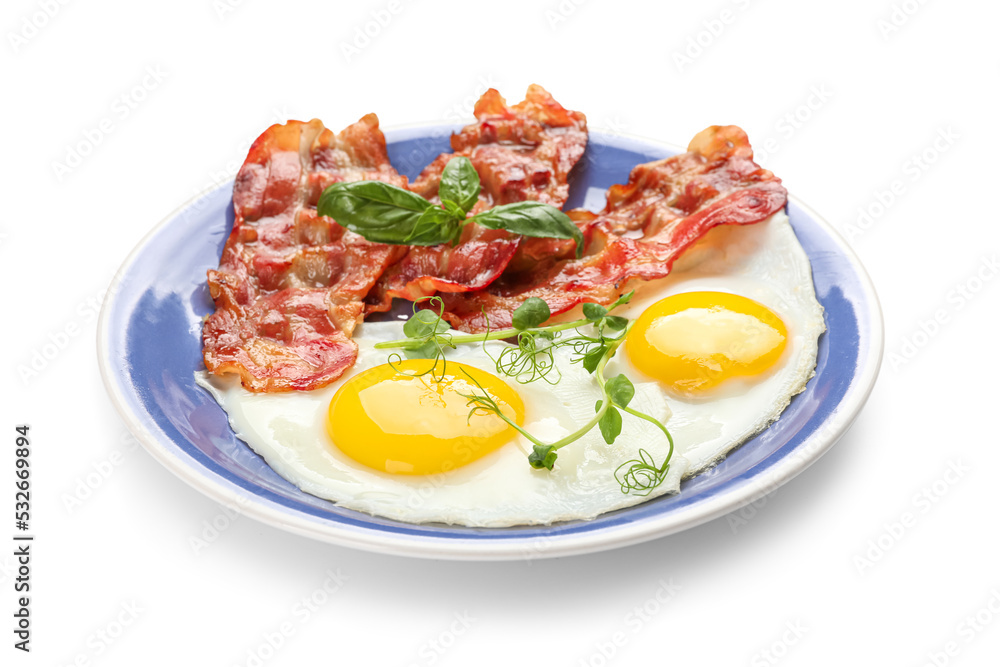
point(673, 201)
point(290, 285)
point(521, 152)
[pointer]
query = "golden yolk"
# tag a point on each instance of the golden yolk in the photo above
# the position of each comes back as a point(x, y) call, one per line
point(414, 424)
point(695, 341)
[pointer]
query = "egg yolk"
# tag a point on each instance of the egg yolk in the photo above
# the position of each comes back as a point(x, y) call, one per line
point(412, 424)
point(695, 341)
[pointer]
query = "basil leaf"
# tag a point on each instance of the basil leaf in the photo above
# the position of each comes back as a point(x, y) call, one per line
point(435, 225)
point(423, 323)
point(542, 457)
point(615, 323)
point(620, 389)
point(460, 183)
point(611, 424)
point(532, 218)
point(594, 311)
point(377, 211)
point(454, 209)
point(532, 313)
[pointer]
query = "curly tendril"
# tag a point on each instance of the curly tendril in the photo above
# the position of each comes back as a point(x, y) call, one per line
point(641, 475)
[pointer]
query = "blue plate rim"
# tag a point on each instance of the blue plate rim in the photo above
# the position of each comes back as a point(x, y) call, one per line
point(375, 538)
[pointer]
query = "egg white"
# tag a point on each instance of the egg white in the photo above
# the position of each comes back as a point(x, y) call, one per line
point(763, 262)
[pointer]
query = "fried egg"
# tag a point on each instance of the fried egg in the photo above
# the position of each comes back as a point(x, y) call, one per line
point(469, 471)
point(717, 350)
point(730, 336)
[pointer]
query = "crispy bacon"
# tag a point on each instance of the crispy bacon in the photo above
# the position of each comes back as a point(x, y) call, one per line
point(673, 201)
point(521, 152)
point(290, 285)
point(524, 151)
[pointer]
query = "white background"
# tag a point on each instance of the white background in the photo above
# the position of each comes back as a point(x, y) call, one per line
point(823, 555)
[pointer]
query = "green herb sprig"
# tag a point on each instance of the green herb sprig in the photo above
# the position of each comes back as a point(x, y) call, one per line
point(597, 337)
point(384, 213)
point(429, 334)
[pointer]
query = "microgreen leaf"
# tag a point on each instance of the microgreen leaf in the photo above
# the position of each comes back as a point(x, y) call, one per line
point(543, 456)
point(532, 313)
point(460, 183)
point(622, 300)
point(532, 218)
point(592, 358)
point(594, 311)
point(615, 323)
point(429, 350)
point(620, 389)
point(377, 211)
point(611, 424)
point(423, 323)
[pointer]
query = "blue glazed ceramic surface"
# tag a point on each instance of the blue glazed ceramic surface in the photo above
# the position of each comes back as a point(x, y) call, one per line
point(149, 346)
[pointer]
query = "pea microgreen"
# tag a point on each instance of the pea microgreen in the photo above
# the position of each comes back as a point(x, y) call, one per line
point(593, 342)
